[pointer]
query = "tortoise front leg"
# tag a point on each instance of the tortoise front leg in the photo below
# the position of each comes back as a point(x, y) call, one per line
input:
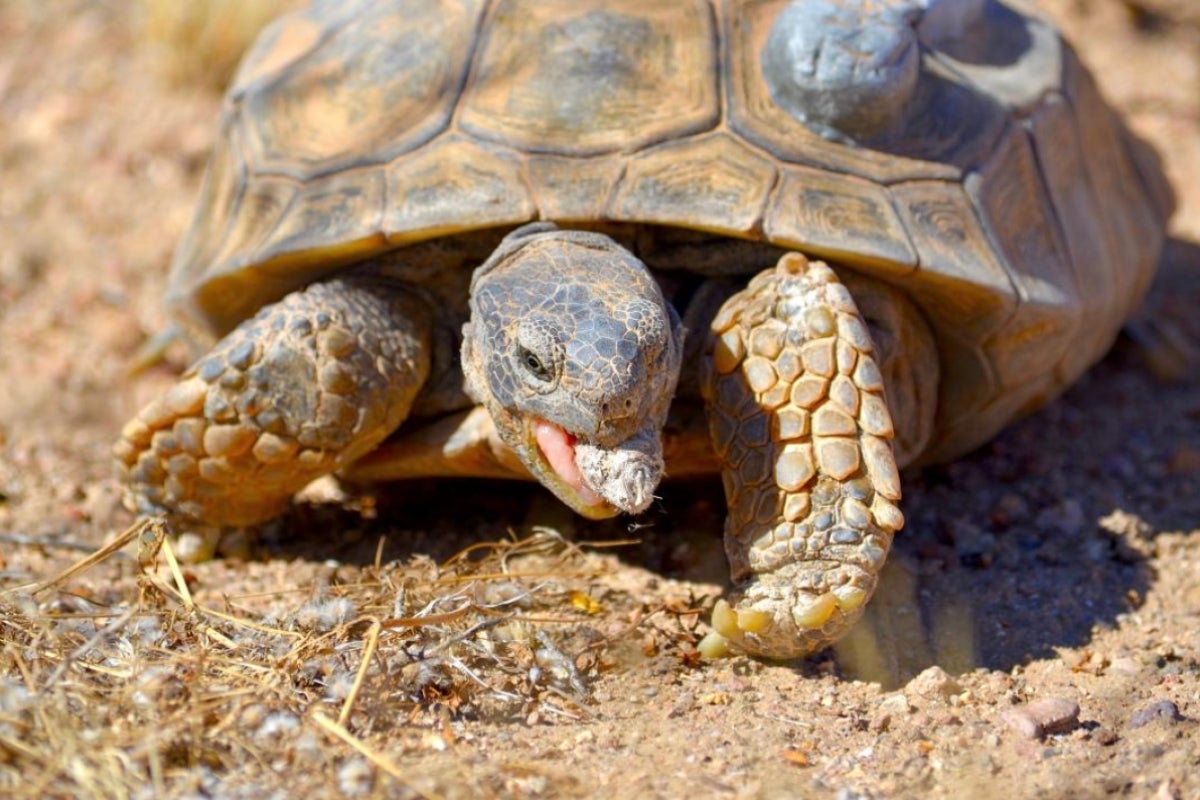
point(800, 424)
point(305, 387)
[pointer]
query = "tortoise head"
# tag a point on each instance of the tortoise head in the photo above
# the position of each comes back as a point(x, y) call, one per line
point(575, 353)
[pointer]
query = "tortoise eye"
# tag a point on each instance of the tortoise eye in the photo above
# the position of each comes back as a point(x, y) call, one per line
point(531, 362)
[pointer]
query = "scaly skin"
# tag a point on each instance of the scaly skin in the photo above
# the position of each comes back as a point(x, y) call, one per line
point(595, 320)
point(306, 386)
point(799, 421)
point(797, 413)
point(322, 377)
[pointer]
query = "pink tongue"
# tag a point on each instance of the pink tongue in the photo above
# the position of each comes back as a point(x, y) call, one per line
point(559, 449)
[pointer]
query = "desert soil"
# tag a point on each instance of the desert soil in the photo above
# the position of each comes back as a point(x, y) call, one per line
point(1057, 568)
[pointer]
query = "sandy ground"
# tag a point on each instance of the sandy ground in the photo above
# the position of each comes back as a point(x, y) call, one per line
point(1059, 567)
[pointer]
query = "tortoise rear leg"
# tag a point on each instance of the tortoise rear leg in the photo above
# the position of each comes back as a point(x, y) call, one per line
point(799, 421)
point(305, 387)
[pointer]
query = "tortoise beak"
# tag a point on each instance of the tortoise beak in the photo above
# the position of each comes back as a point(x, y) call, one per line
point(549, 453)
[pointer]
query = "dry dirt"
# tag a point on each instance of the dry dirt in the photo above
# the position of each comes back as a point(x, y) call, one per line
point(1059, 565)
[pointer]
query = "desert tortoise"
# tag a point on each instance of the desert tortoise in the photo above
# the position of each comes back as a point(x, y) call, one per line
point(366, 220)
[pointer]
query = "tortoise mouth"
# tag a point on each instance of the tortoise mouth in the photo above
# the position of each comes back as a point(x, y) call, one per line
point(553, 450)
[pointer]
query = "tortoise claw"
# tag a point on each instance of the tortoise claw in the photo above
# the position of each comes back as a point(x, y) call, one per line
point(799, 419)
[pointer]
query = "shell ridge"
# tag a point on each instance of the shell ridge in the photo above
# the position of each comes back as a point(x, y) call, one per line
point(272, 78)
point(483, 21)
point(971, 185)
point(1057, 229)
point(615, 189)
point(718, 44)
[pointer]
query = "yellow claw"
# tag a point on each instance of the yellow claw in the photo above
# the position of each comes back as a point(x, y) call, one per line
point(816, 613)
point(752, 621)
point(849, 597)
point(714, 645)
point(725, 620)
point(729, 626)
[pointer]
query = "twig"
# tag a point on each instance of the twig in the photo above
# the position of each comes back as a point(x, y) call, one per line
point(184, 592)
point(128, 535)
point(785, 720)
point(458, 664)
point(368, 654)
point(462, 637)
point(16, 746)
point(379, 552)
point(512, 576)
point(26, 540)
point(562, 712)
point(251, 625)
point(429, 619)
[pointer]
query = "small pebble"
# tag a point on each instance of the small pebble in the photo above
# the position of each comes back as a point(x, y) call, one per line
point(895, 703)
point(1159, 709)
point(1042, 717)
point(933, 683)
point(1020, 721)
point(1127, 665)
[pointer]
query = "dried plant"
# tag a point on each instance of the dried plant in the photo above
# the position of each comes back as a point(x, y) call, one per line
point(147, 691)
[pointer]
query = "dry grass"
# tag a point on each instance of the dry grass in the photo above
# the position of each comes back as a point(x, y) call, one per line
point(200, 42)
point(145, 691)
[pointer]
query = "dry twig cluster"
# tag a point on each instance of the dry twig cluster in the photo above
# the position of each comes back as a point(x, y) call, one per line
point(148, 692)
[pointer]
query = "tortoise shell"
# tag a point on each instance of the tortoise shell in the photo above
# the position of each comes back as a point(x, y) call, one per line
point(992, 183)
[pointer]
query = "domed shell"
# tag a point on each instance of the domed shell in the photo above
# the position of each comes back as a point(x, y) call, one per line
point(971, 162)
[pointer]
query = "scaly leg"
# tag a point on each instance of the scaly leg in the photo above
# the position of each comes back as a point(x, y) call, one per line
point(799, 421)
point(305, 387)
